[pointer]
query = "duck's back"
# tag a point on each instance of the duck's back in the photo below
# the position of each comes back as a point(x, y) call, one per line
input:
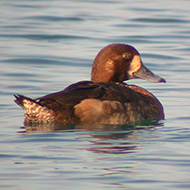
point(87, 102)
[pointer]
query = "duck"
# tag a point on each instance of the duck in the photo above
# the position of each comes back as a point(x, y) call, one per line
point(105, 99)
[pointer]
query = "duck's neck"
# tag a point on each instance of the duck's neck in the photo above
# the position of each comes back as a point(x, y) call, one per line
point(99, 78)
point(103, 71)
point(106, 77)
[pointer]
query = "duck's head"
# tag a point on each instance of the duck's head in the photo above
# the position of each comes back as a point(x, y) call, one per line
point(120, 62)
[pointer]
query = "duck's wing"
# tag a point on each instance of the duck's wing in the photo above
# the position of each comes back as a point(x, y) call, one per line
point(77, 92)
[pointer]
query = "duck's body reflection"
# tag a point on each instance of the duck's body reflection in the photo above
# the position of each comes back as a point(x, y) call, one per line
point(112, 139)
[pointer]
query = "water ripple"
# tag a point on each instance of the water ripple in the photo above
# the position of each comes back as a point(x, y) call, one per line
point(43, 61)
point(160, 20)
point(43, 36)
point(54, 18)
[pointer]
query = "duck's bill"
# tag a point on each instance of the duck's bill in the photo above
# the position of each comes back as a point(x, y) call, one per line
point(145, 73)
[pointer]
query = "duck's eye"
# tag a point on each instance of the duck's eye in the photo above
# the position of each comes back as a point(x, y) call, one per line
point(126, 55)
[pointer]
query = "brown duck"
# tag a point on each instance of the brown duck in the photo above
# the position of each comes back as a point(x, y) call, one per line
point(105, 99)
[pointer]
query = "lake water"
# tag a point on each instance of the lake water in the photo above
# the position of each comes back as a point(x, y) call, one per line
point(47, 45)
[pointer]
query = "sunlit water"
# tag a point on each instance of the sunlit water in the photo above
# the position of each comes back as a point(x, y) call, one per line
point(47, 45)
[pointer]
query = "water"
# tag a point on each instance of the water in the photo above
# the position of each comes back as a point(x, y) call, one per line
point(47, 45)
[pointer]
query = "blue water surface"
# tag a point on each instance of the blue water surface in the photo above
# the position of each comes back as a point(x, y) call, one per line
point(47, 45)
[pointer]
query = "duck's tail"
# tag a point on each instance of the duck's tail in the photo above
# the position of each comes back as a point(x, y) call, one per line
point(34, 111)
point(21, 100)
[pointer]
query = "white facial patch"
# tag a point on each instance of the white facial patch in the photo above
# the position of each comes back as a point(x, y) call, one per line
point(135, 65)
